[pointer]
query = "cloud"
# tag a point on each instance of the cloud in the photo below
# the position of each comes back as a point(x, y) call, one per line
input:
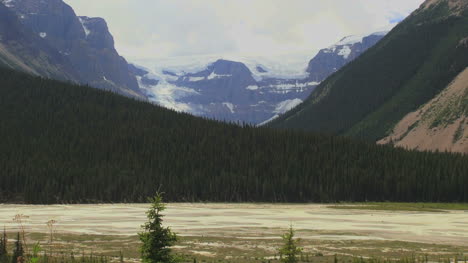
point(166, 28)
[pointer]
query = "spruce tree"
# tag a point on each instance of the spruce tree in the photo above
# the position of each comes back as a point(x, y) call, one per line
point(157, 240)
point(290, 250)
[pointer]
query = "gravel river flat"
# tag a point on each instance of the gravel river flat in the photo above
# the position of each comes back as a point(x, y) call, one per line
point(249, 221)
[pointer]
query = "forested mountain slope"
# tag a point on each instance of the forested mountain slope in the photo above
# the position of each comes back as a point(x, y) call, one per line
point(64, 143)
point(409, 67)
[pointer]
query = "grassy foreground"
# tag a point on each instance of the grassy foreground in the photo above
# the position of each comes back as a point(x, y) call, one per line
point(415, 207)
point(250, 249)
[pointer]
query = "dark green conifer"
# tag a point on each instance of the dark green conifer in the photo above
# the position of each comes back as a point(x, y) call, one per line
point(290, 251)
point(157, 240)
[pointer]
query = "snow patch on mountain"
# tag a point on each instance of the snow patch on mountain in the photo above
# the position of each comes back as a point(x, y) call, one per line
point(269, 120)
point(281, 108)
point(196, 79)
point(8, 3)
point(345, 43)
point(166, 94)
point(216, 76)
point(345, 52)
point(351, 40)
point(83, 24)
point(281, 67)
point(296, 85)
point(230, 106)
point(291, 66)
point(286, 105)
point(252, 87)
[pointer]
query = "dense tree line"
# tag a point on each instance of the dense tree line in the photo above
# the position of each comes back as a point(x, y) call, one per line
point(406, 69)
point(66, 143)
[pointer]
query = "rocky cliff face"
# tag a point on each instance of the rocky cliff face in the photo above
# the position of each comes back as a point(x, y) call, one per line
point(83, 45)
point(22, 49)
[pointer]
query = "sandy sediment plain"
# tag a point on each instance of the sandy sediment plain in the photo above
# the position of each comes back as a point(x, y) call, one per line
point(249, 221)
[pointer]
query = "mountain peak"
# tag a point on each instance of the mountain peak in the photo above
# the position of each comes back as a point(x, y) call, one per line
point(222, 66)
point(35, 6)
point(329, 60)
point(354, 39)
point(220, 62)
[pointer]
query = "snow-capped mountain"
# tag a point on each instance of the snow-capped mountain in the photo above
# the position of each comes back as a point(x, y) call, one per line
point(79, 49)
point(245, 89)
point(227, 90)
point(331, 59)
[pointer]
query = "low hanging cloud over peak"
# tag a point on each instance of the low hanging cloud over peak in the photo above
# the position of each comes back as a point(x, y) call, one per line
point(168, 28)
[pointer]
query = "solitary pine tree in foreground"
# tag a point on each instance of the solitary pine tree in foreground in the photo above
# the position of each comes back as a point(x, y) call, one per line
point(157, 240)
point(290, 250)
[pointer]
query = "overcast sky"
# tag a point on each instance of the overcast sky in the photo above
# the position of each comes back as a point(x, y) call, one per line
point(168, 28)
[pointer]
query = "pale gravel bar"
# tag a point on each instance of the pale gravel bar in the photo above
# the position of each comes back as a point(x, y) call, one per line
point(249, 221)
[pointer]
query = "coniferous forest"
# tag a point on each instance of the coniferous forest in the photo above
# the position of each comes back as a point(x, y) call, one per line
point(66, 143)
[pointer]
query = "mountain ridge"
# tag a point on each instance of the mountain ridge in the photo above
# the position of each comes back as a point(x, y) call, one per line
point(331, 59)
point(406, 69)
point(255, 93)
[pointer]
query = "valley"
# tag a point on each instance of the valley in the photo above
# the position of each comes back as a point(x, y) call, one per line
point(267, 135)
point(254, 90)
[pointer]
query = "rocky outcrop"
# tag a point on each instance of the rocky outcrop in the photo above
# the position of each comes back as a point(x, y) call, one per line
point(83, 47)
point(22, 49)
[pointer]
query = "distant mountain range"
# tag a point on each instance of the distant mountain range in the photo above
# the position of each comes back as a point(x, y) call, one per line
point(409, 90)
point(246, 90)
point(393, 93)
point(46, 38)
